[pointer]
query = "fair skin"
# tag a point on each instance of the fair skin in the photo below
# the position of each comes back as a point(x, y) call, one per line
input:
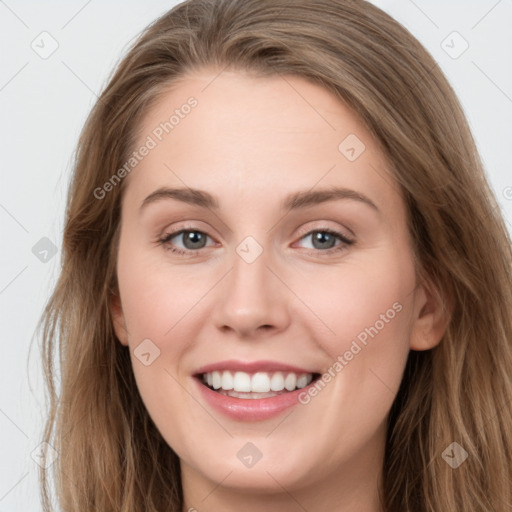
point(250, 142)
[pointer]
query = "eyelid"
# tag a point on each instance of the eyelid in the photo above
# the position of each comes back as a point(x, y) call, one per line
point(190, 225)
point(306, 230)
point(168, 234)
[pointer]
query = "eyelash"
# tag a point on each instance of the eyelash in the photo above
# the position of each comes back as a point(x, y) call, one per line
point(168, 236)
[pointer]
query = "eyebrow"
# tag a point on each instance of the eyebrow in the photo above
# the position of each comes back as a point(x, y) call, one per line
point(294, 201)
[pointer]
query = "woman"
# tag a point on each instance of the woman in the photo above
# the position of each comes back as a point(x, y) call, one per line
point(211, 360)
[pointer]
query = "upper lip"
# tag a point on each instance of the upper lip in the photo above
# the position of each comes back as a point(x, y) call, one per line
point(250, 367)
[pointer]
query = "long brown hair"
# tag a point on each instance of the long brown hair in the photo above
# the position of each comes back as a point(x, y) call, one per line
point(111, 456)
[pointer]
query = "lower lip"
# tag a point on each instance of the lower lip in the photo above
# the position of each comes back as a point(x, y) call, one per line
point(251, 409)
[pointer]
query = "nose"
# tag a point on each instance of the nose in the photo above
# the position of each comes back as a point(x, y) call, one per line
point(253, 300)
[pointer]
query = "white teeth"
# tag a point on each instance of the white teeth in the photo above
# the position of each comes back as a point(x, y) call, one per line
point(277, 382)
point(302, 381)
point(290, 382)
point(227, 380)
point(259, 382)
point(216, 380)
point(241, 381)
point(250, 396)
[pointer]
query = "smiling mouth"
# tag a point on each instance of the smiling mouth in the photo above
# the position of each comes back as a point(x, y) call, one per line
point(256, 385)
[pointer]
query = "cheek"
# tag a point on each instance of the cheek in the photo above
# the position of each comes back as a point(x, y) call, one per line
point(158, 305)
point(363, 315)
point(156, 298)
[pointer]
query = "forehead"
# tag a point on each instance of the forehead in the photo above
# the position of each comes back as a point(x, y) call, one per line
point(258, 134)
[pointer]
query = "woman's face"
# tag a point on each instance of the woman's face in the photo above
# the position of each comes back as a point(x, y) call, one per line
point(296, 263)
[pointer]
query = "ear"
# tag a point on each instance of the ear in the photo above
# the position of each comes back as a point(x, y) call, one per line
point(118, 322)
point(432, 315)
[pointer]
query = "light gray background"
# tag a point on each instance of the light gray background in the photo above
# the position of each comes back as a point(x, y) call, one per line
point(44, 103)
